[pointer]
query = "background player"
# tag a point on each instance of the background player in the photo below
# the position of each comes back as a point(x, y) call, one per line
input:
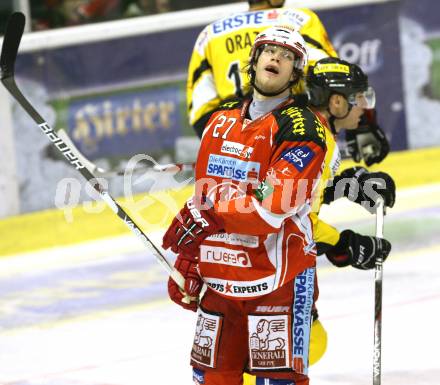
point(222, 50)
point(339, 93)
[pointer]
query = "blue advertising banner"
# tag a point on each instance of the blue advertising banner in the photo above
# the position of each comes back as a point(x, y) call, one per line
point(123, 124)
point(115, 99)
point(368, 35)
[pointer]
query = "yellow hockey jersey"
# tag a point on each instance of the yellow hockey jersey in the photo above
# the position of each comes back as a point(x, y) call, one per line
point(322, 232)
point(217, 68)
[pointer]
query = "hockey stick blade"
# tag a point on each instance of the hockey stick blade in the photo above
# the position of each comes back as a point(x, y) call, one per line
point(11, 42)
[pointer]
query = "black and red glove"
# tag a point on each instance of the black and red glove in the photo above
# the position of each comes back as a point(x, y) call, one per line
point(187, 266)
point(360, 251)
point(368, 141)
point(195, 222)
point(362, 187)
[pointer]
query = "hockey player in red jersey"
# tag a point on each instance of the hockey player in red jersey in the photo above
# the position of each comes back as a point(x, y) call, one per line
point(247, 232)
point(216, 72)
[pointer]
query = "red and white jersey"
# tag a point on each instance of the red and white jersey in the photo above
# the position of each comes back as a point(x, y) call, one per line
point(261, 175)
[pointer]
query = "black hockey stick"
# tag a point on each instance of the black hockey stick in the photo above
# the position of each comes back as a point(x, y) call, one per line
point(11, 42)
point(377, 353)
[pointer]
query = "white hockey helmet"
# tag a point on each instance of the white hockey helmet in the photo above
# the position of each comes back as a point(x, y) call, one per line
point(284, 37)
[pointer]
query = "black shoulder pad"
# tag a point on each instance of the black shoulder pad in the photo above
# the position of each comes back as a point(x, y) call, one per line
point(298, 123)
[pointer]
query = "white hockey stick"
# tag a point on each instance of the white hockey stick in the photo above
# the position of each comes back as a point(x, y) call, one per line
point(377, 354)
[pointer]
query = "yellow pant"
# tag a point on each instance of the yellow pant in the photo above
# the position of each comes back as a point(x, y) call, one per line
point(318, 346)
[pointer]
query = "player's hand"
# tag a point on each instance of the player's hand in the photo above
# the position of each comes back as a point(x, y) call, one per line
point(362, 187)
point(196, 221)
point(368, 141)
point(187, 266)
point(360, 251)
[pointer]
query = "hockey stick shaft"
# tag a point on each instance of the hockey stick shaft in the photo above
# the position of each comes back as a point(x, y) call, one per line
point(378, 275)
point(11, 42)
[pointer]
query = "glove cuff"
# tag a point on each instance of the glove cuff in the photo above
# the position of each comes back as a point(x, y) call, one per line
point(344, 241)
point(181, 258)
point(339, 254)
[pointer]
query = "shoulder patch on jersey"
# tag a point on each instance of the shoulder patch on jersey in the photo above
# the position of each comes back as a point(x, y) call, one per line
point(299, 124)
point(230, 104)
point(299, 156)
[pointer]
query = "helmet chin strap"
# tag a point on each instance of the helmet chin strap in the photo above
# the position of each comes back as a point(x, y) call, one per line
point(290, 83)
point(332, 118)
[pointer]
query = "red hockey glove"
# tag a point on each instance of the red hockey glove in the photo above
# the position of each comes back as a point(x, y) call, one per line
point(187, 266)
point(357, 250)
point(191, 226)
point(368, 141)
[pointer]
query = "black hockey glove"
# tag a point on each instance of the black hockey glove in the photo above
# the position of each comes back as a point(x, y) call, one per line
point(360, 251)
point(362, 187)
point(368, 141)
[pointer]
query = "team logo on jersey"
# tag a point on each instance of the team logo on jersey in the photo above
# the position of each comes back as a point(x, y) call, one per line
point(320, 129)
point(269, 341)
point(205, 346)
point(246, 121)
point(241, 289)
point(223, 256)
point(299, 156)
point(297, 116)
point(272, 309)
point(235, 169)
point(235, 239)
point(226, 191)
point(296, 18)
point(233, 148)
point(238, 21)
point(229, 104)
point(272, 15)
point(302, 305)
point(264, 190)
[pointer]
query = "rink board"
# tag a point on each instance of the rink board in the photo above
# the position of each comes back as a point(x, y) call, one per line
point(52, 228)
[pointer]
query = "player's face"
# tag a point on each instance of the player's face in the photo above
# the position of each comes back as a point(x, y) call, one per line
point(274, 68)
point(350, 121)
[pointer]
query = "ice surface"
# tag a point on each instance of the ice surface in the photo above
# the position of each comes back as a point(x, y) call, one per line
point(98, 313)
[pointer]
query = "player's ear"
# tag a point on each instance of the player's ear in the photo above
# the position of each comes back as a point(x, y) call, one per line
point(335, 101)
point(293, 76)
